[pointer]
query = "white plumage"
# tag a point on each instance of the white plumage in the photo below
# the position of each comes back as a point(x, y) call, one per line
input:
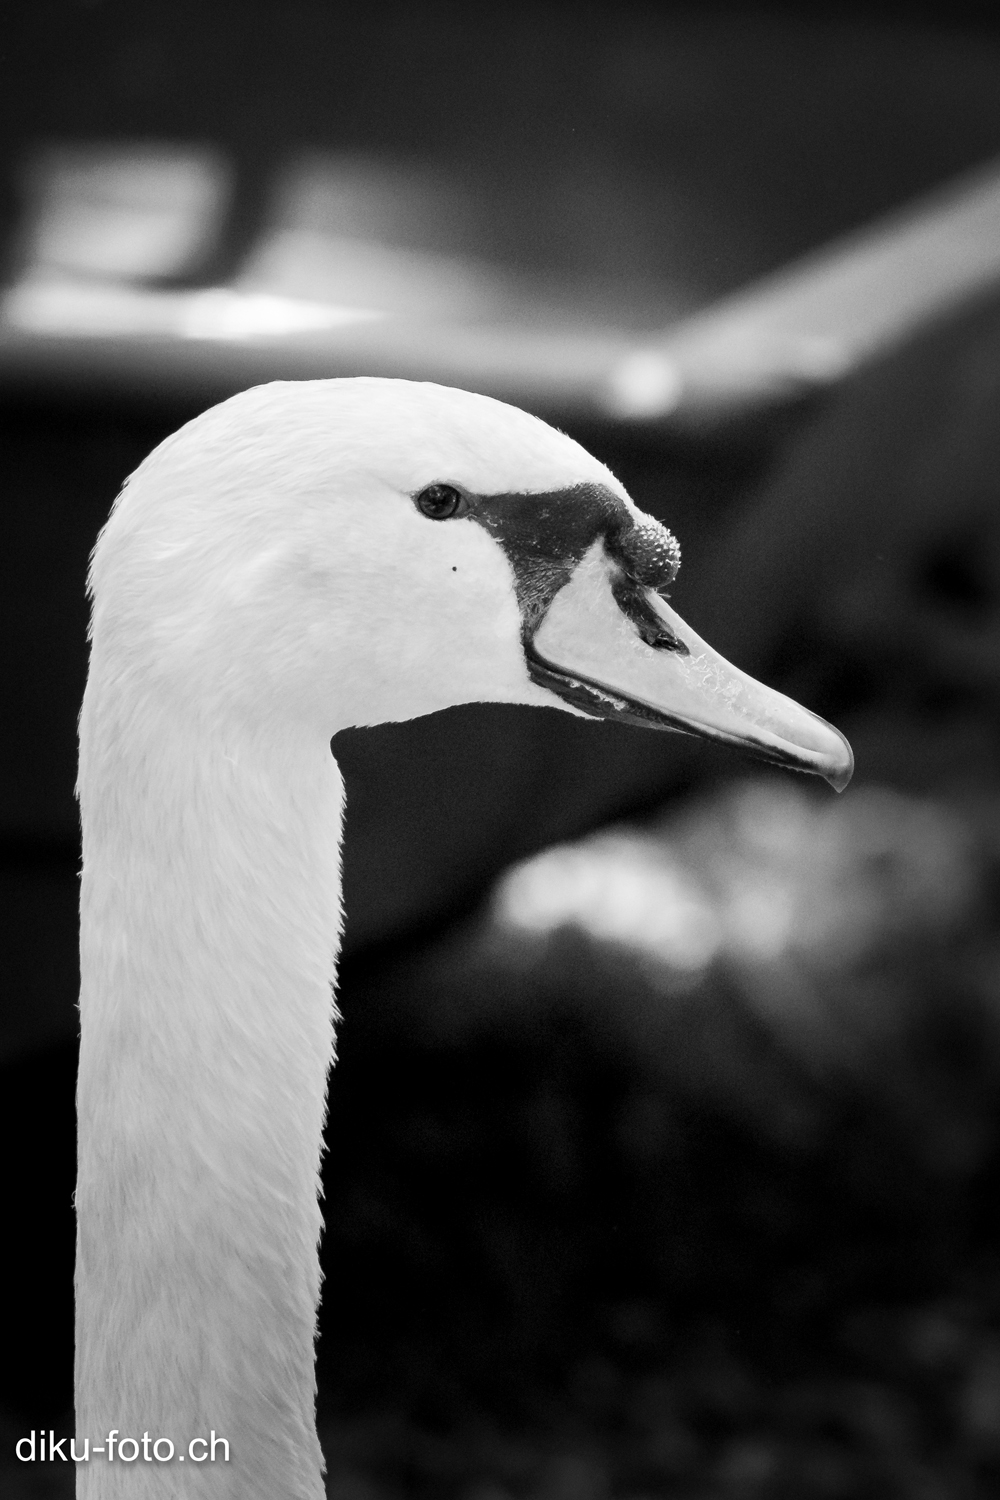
point(266, 579)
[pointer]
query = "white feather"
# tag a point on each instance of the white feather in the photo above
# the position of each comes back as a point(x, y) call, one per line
point(263, 581)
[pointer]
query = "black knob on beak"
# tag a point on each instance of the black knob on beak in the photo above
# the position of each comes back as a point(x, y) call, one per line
point(648, 553)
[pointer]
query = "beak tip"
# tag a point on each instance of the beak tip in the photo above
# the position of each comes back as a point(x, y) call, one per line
point(842, 769)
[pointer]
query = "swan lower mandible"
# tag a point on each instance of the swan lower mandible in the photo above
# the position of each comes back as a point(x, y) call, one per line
point(301, 558)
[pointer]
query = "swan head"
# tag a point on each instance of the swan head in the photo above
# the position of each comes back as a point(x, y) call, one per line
point(343, 552)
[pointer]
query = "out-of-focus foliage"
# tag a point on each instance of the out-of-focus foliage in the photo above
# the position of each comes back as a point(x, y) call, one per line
point(703, 1206)
point(830, 928)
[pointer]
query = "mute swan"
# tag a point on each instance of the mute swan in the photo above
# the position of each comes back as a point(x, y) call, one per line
point(302, 557)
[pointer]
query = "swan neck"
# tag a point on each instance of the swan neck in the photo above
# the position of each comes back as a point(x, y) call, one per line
point(210, 914)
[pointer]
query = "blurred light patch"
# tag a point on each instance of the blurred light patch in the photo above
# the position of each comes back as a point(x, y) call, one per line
point(407, 234)
point(644, 384)
point(619, 888)
point(305, 264)
point(790, 870)
point(222, 313)
point(758, 874)
point(365, 230)
point(103, 222)
point(137, 212)
point(75, 309)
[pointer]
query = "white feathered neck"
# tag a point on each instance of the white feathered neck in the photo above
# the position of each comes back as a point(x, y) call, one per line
point(264, 580)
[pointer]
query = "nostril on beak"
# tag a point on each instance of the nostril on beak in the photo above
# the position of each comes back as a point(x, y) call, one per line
point(649, 553)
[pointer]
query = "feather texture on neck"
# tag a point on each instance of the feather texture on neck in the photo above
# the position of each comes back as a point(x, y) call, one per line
point(210, 909)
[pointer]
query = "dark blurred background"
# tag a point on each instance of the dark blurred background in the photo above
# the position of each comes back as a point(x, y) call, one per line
point(664, 1136)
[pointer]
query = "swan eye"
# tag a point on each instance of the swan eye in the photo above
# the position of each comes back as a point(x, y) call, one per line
point(441, 501)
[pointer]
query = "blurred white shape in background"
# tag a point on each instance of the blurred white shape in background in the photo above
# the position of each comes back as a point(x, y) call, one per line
point(71, 309)
point(221, 312)
point(470, 287)
point(362, 230)
point(644, 384)
point(134, 212)
point(619, 887)
point(103, 222)
point(807, 324)
point(835, 880)
point(761, 873)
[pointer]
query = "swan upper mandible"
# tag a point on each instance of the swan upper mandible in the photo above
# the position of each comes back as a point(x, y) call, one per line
point(301, 558)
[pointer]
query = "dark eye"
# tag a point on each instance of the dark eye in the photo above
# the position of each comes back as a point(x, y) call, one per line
point(441, 501)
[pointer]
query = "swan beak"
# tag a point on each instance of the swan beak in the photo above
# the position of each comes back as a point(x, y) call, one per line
point(616, 650)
